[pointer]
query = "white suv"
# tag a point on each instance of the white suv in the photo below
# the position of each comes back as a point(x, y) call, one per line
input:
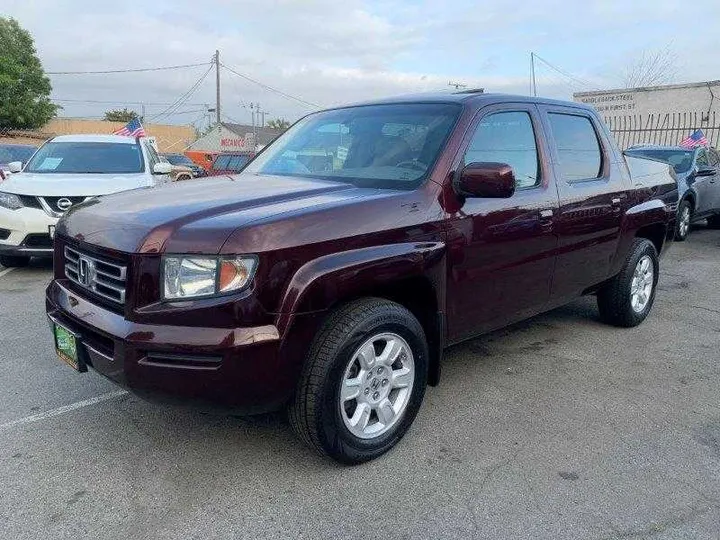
point(64, 172)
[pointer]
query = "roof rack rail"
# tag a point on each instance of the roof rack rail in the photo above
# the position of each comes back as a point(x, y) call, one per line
point(471, 91)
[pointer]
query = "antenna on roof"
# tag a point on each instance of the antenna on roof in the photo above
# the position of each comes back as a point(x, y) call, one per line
point(457, 85)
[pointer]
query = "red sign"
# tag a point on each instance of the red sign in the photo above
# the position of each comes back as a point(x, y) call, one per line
point(233, 143)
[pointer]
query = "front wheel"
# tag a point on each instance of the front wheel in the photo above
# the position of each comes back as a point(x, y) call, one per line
point(627, 298)
point(684, 218)
point(363, 382)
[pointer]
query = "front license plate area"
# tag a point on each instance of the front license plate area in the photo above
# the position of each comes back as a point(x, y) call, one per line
point(68, 347)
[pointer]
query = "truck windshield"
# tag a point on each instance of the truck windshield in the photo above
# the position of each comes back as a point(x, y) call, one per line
point(87, 157)
point(680, 160)
point(380, 146)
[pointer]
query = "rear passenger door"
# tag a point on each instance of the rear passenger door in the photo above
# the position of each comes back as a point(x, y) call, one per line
point(714, 160)
point(593, 198)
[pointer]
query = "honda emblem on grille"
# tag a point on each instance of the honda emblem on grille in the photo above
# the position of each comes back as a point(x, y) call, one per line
point(86, 272)
point(64, 203)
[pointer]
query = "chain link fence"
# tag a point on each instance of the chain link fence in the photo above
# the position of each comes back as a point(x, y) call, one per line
point(663, 129)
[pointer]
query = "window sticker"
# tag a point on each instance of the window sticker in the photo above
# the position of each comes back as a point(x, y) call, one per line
point(50, 164)
point(342, 153)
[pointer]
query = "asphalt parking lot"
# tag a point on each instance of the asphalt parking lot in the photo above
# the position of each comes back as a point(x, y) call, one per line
point(559, 427)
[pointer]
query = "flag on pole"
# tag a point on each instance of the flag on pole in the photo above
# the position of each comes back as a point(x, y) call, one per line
point(132, 129)
point(695, 139)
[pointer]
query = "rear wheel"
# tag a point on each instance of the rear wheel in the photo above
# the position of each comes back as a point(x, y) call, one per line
point(363, 382)
point(684, 218)
point(627, 298)
point(9, 261)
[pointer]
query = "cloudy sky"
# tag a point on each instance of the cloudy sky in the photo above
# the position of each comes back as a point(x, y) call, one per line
point(329, 52)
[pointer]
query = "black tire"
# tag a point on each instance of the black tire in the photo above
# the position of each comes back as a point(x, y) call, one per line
point(682, 230)
point(614, 298)
point(714, 221)
point(315, 413)
point(9, 261)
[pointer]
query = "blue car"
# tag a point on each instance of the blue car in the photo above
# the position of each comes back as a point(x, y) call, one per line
point(698, 178)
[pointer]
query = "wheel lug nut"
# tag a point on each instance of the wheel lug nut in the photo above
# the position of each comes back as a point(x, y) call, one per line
point(385, 382)
point(367, 391)
point(380, 370)
point(376, 395)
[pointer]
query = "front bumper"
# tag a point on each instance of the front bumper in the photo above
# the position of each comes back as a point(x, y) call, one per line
point(239, 369)
point(24, 224)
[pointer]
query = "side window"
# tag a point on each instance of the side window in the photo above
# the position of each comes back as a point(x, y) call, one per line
point(702, 159)
point(152, 154)
point(577, 145)
point(507, 137)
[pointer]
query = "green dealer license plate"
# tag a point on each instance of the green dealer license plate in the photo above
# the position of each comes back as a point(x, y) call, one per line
point(66, 346)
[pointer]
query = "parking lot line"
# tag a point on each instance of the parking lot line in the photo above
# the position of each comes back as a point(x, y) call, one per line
point(62, 410)
point(6, 271)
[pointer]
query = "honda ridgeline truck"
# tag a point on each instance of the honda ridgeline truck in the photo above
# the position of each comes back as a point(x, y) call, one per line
point(331, 274)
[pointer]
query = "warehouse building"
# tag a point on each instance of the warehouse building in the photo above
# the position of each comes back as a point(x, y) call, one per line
point(658, 114)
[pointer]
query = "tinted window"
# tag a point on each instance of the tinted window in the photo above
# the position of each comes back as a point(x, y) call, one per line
point(577, 145)
point(381, 146)
point(681, 160)
point(238, 162)
point(507, 137)
point(221, 163)
point(702, 159)
point(87, 157)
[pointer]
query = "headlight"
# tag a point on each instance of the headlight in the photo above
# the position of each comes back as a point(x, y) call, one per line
point(197, 276)
point(10, 200)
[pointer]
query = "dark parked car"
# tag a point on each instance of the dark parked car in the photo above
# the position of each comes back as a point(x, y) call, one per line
point(332, 286)
point(230, 163)
point(698, 178)
point(183, 161)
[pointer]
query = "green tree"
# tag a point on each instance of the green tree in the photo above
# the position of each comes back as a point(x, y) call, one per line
point(24, 87)
point(278, 123)
point(120, 115)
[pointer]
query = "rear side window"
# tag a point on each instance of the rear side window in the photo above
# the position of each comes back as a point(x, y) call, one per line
point(507, 137)
point(577, 145)
point(702, 159)
point(714, 160)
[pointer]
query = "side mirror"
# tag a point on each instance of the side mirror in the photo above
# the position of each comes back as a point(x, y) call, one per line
point(487, 180)
point(15, 166)
point(705, 171)
point(162, 168)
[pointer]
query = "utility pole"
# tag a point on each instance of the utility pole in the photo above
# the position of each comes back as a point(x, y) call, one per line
point(217, 86)
point(533, 85)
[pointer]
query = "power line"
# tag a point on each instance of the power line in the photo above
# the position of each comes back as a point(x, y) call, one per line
point(562, 72)
point(179, 102)
point(138, 70)
point(268, 87)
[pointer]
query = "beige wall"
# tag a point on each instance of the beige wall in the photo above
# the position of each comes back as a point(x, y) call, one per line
point(169, 138)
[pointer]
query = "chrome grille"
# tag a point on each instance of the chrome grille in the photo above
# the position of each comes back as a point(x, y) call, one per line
point(106, 279)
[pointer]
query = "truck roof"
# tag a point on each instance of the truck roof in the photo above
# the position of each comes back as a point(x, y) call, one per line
point(467, 97)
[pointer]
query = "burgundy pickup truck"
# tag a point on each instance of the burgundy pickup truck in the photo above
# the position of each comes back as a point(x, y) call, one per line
point(331, 274)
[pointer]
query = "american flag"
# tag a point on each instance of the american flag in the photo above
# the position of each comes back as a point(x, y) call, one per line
point(695, 139)
point(132, 129)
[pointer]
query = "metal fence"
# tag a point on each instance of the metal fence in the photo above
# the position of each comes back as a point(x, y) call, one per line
point(663, 129)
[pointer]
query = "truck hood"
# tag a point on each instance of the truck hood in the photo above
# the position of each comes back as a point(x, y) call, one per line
point(197, 216)
point(72, 185)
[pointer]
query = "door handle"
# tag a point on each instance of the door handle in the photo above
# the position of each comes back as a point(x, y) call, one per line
point(546, 214)
point(616, 201)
